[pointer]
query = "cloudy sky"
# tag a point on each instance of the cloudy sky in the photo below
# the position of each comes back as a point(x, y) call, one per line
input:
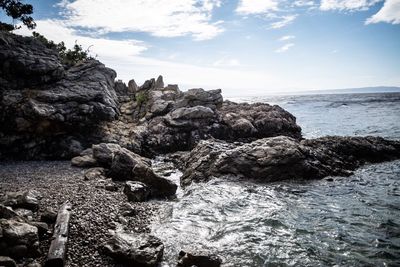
point(241, 46)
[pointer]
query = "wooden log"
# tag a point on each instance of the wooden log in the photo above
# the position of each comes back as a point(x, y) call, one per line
point(58, 247)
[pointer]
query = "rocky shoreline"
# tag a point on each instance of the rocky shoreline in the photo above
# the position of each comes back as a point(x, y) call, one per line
point(110, 131)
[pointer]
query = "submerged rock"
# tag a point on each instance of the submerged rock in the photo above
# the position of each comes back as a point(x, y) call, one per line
point(280, 158)
point(141, 250)
point(198, 259)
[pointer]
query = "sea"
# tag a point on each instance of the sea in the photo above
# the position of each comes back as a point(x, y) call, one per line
point(340, 221)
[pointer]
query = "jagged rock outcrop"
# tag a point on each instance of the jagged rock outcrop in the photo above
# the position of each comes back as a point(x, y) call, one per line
point(281, 158)
point(47, 110)
point(172, 120)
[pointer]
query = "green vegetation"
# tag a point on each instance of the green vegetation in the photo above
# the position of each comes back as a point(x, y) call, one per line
point(17, 11)
point(69, 57)
point(141, 98)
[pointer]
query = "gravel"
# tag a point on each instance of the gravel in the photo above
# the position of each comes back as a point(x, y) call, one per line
point(95, 210)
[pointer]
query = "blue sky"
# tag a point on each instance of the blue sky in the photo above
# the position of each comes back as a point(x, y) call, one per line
point(241, 46)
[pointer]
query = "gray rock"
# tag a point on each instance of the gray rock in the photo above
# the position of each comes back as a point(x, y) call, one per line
point(199, 259)
point(104, 153)
point(127, 165)
point(21, 239)
point(95, 174)
point(83, 161)
point(132, 87)
point(7, 212)
point(7, 262)
point(28, 199)
point(159, 82)
point(48, 216)
point(200, 97)
point(27, 214)
point(49, 111)
point(257, 120)
point(281, 158)
point(136, 191)
point(140, 250)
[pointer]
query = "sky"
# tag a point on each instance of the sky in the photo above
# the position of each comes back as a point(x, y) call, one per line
point(240, 46)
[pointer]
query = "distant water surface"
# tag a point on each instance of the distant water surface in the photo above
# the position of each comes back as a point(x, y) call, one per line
point(351, 221)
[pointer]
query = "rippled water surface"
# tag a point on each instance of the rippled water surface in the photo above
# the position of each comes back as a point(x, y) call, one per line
point(352, 221)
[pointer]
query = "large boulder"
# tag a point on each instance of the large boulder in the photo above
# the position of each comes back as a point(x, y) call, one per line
point(141, 250)
point(282, 157)
point(47, 110)
point(122, 164)
point(19, 239)
point(258, 120)
point(127, 165)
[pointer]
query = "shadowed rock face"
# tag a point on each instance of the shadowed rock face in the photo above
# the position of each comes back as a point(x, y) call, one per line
point(46, 110)
point(281, 158)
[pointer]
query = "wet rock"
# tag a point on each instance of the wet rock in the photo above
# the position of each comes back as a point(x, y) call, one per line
point(136, 191)
point(48, 216)
point(83, 161)
point(7, 262)
point(280, 158)
point(199, 259)
point(28, 199)
point(140, 250)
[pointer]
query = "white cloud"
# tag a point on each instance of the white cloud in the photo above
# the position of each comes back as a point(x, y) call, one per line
point(285, 20)
point(286, 38)
point(163, 18)
point(390, 13)
point(303, 3)
point(57, 31)
point(347, 5)
point(284, 48)
point(246, 7)
point(125, 57)
point(227, 62)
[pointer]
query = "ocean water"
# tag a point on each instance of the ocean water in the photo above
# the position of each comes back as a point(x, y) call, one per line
point(343, 221)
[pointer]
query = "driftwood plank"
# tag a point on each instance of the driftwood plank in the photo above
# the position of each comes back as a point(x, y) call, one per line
point(58, 247)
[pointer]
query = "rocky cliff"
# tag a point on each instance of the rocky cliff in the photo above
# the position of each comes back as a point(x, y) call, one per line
point(50, 111)
point(47, 110)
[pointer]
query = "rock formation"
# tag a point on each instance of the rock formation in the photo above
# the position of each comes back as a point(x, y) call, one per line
point(281, 158)
point(47, 110)
point(122, 164)
point(140, 250)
